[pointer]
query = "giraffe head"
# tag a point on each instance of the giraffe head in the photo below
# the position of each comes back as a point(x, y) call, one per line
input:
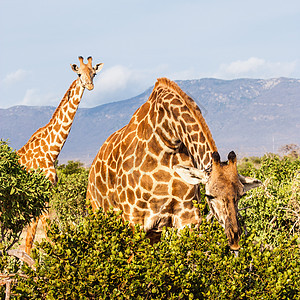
point(224, 187)
point(86, 72)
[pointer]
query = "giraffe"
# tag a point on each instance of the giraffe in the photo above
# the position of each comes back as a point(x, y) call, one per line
point(151, 168)
point(44, 146)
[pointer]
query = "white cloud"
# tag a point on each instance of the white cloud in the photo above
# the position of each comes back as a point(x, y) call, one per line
point(256, 68)
point(34, 97)
point(15, 76)
point(120, 83)
point(250, 68)
point(246, 66)
point(114, 79)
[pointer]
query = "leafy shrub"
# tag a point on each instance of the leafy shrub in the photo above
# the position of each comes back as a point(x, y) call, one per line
point(248, 163)
point(98, 256)
point(103, 258)
point(72, 167)
point(68, 196)
point(273, 210)
point(23, 196)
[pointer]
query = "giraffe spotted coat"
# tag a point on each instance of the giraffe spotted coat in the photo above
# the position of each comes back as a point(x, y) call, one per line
point(133, 171)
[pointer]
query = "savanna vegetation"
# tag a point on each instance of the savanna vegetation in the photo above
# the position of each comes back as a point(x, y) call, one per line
point(97, 256)
point(23, 196)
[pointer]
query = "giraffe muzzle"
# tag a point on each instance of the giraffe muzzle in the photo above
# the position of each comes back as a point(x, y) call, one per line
point(234, 246)
point(233, 236)
point(89, 86)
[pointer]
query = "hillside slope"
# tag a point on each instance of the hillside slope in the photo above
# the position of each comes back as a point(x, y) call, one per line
point(250, 116)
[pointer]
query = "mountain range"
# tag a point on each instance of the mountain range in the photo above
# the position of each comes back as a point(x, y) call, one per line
point(249, 116)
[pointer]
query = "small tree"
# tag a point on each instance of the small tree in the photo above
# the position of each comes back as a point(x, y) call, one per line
point(291, 150)
point(68, 198)
point(23, 196)
point(72, 167)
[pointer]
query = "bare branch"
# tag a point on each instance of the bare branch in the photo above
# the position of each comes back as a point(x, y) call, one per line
point(23, 256)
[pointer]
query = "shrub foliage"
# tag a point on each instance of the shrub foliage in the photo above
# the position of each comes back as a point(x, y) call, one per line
point(103, 258)
point(68, 196)
point(23, 196)
point(274, 210)
point(98, 256)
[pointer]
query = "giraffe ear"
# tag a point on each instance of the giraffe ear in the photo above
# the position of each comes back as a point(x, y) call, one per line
point(74, 68)
point(249, 183)
point(191, 175)
point(98, 67)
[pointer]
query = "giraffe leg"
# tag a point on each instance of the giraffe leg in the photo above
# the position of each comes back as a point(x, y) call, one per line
point(44, 217)
point(31, 231)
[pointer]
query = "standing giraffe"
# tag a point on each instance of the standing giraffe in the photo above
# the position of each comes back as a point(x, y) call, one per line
point(150, 169)
point(44, 146)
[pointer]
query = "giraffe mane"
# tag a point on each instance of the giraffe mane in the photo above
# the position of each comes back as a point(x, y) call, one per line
point(66, 96)
point(190, 103)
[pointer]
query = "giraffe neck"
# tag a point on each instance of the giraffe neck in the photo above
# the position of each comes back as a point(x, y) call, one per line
point(48, 141)
point(180, 122)
point(62, 119)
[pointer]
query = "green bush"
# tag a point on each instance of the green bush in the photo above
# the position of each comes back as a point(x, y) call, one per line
point(98, 256)
point(68, 198)
point(273, 209)
point(103, 258)
point(23, 196)
point(248, 163)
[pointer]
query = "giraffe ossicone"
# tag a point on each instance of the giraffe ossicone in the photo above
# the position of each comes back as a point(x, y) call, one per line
point(44, 146)
point(151, 168)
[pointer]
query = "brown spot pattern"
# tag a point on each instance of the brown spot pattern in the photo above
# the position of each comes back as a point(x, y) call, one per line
point(147, 182)
point(179, 188)
point(167, 130)
point(149, 164)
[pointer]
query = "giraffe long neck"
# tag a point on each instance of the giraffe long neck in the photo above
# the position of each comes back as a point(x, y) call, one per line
point(62, 119)
point(180, 121)
point(48, 141)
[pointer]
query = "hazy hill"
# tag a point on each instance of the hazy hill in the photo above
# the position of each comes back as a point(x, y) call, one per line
point(249, 116)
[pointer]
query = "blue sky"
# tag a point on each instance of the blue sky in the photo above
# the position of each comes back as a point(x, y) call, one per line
point(139, 41)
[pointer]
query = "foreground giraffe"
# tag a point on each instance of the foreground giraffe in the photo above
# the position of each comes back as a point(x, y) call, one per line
point(150, 168)
point(44, 146)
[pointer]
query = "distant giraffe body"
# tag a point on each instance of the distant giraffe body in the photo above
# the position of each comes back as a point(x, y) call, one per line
point(44, 146)
point(151, 167)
